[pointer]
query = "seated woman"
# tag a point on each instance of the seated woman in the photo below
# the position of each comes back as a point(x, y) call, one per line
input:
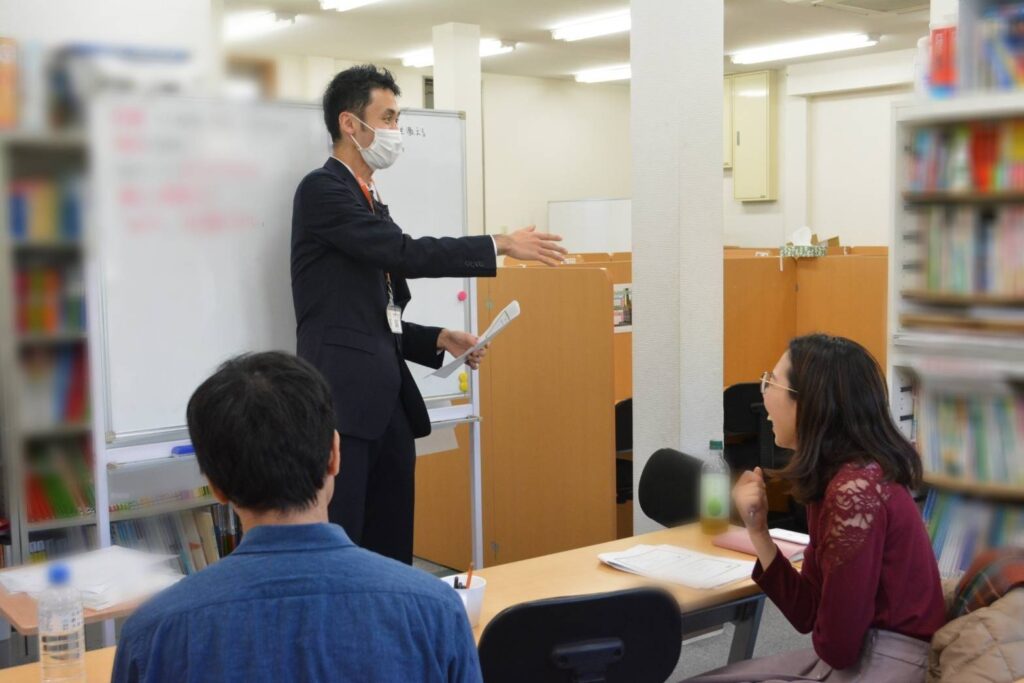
point(869, 588)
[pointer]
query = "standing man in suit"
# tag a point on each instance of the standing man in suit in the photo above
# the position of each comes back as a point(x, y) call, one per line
point(349, 264)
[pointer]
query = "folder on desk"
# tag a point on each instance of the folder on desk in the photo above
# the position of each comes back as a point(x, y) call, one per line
point(739, 540)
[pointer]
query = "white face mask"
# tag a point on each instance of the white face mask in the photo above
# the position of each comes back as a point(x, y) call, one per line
point(385, 148)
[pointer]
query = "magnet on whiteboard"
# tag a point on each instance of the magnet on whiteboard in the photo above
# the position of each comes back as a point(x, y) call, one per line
point(463, 296)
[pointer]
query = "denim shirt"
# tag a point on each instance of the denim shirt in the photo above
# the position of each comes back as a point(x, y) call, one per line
point(300, 603)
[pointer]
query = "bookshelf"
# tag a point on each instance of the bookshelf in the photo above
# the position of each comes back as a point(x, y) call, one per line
point(957, 315)
point(43, 376)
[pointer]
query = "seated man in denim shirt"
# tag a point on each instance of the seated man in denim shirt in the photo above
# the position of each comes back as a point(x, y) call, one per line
point(297, 600)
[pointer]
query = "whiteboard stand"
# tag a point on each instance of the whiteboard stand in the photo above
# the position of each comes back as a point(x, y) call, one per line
point(475, 475)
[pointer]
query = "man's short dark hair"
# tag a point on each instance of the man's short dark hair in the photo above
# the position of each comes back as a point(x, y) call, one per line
point(350, 91)
point(263, 429)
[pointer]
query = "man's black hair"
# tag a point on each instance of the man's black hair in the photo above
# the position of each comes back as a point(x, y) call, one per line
point(263, 429)
point(350, 91)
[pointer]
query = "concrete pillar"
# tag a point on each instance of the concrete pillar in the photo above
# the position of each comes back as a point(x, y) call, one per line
point(457, 86)
point(676, 121)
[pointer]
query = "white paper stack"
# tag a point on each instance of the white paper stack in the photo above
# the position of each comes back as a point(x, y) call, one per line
point(104, 577)
point(678, 565)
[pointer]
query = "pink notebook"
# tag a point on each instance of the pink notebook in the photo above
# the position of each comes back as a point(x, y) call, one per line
point(738, 540)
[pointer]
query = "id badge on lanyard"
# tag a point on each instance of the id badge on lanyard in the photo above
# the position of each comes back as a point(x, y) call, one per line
point(393, 310)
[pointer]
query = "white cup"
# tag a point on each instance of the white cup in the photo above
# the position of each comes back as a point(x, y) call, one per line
point(472, 597)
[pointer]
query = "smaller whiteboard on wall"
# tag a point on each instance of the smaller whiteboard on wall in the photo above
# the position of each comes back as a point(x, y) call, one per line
point(592, 225)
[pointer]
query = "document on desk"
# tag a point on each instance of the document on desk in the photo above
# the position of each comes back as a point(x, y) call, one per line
point(507, 315)
point(679, 565)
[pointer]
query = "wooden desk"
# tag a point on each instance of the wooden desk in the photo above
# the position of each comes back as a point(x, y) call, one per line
point(579, 572)
point(99, 664)
point(22, 612)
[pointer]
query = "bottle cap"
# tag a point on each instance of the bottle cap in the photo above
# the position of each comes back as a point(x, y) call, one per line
point(59, 574)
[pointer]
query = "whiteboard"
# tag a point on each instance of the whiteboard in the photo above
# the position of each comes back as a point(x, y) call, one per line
point(592, 225)
point(191, 240)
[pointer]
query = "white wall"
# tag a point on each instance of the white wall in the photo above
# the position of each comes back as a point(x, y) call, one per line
point(183, 24)
point(304, 77)
point(547, 139)
point(835, 153)
point(850, 167)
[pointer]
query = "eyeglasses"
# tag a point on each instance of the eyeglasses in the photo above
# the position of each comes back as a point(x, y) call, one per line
point(765, 381)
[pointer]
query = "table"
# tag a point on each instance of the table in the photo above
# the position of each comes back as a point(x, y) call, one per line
point(98, 666)
point(574, 572)
point(579, 572)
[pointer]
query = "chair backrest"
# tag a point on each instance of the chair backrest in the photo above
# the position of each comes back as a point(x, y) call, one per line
point(669, 490)
point(740, 404)
point(632, 636)
point(624, 425)
point(745, 416)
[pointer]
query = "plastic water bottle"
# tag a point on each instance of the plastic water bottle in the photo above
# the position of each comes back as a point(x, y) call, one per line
point(61, 629)
point(714, 492)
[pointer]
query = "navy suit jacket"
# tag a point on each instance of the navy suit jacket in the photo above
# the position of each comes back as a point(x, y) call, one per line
point(341, 250)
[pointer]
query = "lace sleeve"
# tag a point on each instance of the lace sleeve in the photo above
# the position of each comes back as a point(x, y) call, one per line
point(854, 502)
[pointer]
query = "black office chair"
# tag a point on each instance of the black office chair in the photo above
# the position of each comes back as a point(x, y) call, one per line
point(670, 487)
point(749, 440)
point(632, 636)
point(623, 444)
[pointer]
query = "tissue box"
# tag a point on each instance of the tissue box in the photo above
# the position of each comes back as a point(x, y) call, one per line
point(803, 251)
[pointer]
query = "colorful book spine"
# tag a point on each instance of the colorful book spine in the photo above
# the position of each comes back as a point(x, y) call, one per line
point(975, 438)
point(960, 528)
point(43, 210)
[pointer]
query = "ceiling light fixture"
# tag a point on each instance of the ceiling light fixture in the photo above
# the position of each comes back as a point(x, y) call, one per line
point(612, 73)
point(247, 25)
point(804, 48)
point(488, 48)
point(591, 28)
point(344, 5)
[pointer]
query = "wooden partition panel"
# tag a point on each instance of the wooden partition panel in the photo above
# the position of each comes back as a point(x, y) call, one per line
point(442, 531)
point(760, 315)
point(619, 272)
point(846, 296)
point(548, 406)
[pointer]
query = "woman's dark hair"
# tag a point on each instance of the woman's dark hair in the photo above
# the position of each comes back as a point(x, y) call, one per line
point(350, 91)
point(263, 430)
point(842, 415)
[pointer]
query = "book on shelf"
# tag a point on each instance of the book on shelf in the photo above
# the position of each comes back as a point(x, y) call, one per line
point(974, 437)
point(61, 543)
point(49, 299)
point(960, 528)
point(54, 387)
point(978, 157)
point(966, 250)
point(59, 481)
point(998, 59)
point(46, 210)
point(188, 535)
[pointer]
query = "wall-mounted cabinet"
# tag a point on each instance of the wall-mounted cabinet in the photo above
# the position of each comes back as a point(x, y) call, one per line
point(727, 123)
point(752, 125)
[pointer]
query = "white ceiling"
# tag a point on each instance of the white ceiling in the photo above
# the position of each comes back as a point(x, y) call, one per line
point(384, 31)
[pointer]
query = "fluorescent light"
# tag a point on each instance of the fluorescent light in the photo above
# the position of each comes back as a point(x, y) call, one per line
point(488, 48)
point(418, 59)
point(344, 5)
point(804, 48)
point(250, 24)
point(591, 28)
point(612, 73)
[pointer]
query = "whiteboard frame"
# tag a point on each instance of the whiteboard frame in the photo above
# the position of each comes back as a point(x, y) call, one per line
point(96, 287)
